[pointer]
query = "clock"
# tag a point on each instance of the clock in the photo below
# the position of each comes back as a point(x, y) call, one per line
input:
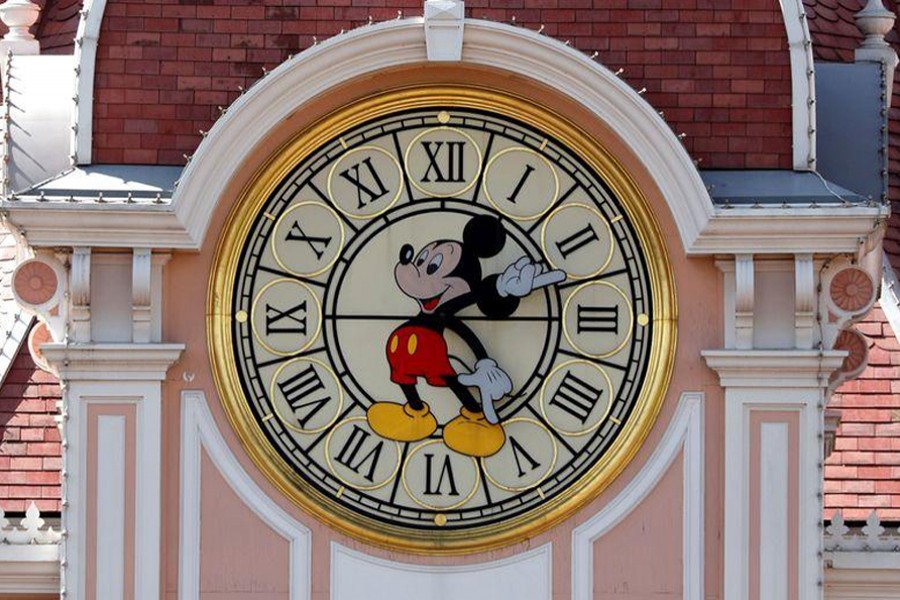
point(441, 319)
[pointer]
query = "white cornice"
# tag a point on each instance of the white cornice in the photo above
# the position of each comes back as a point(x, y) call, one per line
point(774, 368)
point(30, 569)
point(122, 362)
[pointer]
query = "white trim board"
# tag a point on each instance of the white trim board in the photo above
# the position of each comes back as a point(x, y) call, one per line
point(685, 432)
point(86, 39)
point(358, 576)
point(803, 84)
point(198, 431)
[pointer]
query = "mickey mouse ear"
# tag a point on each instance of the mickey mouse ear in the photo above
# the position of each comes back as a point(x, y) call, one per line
point(484, 235)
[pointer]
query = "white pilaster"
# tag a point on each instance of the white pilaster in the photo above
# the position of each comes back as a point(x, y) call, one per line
point(100, 375)
point(792, 384)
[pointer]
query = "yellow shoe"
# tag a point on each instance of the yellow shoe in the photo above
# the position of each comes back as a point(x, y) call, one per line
point(399, 422)
point(472, 435)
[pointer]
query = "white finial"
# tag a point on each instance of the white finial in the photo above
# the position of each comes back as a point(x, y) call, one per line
point(19, 16)
point(875, 21)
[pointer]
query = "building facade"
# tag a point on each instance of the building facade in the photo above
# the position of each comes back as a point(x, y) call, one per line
point(533, 299)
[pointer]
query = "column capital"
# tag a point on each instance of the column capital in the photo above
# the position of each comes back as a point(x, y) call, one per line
point(774, 368)
point(112, 362)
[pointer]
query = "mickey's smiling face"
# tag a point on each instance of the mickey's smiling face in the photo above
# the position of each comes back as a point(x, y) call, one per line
point(430, 277)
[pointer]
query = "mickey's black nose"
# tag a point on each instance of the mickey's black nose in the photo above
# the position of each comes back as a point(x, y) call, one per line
point(406, 254)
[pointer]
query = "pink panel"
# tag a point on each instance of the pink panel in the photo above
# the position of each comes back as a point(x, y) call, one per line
point(641, 558)
point(239, 553)
point(757, 418)
point(94, 411)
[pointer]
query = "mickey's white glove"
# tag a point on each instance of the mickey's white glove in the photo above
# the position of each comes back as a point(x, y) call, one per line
point(492, 382)
point(524, 276)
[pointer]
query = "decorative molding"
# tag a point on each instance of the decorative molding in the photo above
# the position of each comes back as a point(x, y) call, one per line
point(803, 84)
point(773, 368)
point(444, 22)
point(86, 39)
point(199, 432)
point(112, 362)
point(804, 301)
point(141, 274)
point(80, 293)
point(860, 576)
point(684, 434)
point(29, 569)
point(29, 531)
point(743, 301)
point(525, 576)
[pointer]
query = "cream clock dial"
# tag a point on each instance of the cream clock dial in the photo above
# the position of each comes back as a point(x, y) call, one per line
point(440, 323)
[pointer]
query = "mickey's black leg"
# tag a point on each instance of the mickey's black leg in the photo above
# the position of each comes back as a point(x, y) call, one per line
point(412, 396)
point(464, 395)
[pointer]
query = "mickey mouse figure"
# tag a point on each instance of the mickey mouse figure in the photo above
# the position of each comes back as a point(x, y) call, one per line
point(444, 278)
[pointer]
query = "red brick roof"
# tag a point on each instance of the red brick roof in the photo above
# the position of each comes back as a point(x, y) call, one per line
point(863, 473)
point(720, 70)
point(58, 25)
point(30, 450)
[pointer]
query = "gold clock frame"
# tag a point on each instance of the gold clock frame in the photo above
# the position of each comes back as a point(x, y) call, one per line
point(328, 509)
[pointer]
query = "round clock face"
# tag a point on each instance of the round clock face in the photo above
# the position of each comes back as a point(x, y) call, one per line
point(439, 323)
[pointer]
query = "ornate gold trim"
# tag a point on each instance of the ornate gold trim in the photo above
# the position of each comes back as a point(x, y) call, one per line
point(444, 542)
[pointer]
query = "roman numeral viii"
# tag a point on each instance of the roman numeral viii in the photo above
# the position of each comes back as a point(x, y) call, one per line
point(368, 184)
point(445, 162)
point(305, 394)
point(576, 397)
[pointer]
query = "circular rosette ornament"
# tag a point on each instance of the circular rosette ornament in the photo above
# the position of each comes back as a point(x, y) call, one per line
point(857, 347)
point(851, 291)
point(36, 284)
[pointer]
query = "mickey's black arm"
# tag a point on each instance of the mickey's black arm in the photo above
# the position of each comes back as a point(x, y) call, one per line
point(468, 336)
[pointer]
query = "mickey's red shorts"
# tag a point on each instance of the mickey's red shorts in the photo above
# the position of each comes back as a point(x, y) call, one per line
point(414, 351)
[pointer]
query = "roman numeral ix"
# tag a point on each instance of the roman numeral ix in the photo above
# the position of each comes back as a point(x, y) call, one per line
point(292, 320)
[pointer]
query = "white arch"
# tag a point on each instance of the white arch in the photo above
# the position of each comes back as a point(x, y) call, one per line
point(86, 39)
point(803, 84)
point(396, 43)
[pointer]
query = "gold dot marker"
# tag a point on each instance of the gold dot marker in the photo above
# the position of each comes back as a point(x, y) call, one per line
point(241, 316)
point(343, 143)
point(440, 519)
point(268, 417)
point(443, 117)
point(269, 216)
point(340, 491)
point(615, 219)
point(643, 319)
